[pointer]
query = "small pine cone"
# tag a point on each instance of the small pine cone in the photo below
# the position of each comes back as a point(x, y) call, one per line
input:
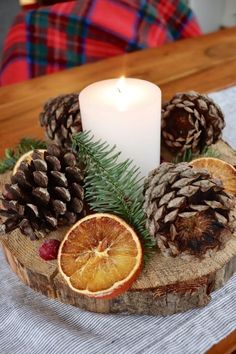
point(44, 193)
point(188, 212)
point(61, 119)
point(191, 121)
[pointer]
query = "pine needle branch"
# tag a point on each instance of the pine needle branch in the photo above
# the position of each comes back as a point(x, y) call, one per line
point(12, 155)
point(189, 155)
point(112, 186)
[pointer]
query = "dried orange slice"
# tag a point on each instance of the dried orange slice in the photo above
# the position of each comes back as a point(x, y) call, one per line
point(101, 256)
point(26, 157)
point(219, 169)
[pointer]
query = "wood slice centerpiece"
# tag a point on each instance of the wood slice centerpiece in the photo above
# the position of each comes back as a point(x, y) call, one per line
point(166, 285)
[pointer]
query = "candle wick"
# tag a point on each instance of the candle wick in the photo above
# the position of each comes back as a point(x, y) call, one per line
point(119, 89)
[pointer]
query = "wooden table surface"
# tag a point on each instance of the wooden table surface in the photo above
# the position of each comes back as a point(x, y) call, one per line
point(205, 64)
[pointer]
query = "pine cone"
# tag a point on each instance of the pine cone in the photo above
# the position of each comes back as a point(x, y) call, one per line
point(188, 212)
point(44, 194)
point(61, 119)
point(191, 121)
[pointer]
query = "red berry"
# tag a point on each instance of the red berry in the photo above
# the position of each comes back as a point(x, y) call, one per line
point(49, 249)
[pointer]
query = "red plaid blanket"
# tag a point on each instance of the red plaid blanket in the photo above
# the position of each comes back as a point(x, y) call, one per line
point(64, 35)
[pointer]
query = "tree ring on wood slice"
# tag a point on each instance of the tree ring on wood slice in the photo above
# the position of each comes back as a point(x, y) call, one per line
point(166, 285)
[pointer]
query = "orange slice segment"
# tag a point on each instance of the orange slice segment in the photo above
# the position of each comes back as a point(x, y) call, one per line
point(219, 169)
point(101, 256)
point(26, 157)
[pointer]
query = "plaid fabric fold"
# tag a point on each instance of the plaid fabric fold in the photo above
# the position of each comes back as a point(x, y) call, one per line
point(72, 33)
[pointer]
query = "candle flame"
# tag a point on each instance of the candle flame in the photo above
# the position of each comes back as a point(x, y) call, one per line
point(120, 84)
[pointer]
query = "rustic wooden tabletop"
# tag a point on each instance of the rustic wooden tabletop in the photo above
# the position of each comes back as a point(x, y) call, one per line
point(205, 64)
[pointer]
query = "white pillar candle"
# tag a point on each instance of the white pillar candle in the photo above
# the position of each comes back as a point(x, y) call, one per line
point(125, 113)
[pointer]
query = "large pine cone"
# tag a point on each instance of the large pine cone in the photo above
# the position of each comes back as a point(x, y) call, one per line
point(188, 212)
point(191, 121)
point(61, 119)
point(44, 194)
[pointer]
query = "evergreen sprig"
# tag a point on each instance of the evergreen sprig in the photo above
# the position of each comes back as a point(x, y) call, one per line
point(12, 155)
point(112, 186)
point(188, 155)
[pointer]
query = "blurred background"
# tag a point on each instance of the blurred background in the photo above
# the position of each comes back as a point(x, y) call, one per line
point(211, 14)
point(8, 10)
point(181, 18)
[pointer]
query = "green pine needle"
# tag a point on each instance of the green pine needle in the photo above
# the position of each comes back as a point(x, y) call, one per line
point(112, 186)
point(189, 155)
point(12, 155)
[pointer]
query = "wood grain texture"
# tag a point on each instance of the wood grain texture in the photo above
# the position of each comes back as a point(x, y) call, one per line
point(205, 64)
point(165, 286)
point(226, 346)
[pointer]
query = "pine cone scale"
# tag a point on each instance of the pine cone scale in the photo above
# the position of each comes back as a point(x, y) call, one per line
point(191, 215)
point(61, 119)
point(40, 178)
point(39, 200)
point(193, 117)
